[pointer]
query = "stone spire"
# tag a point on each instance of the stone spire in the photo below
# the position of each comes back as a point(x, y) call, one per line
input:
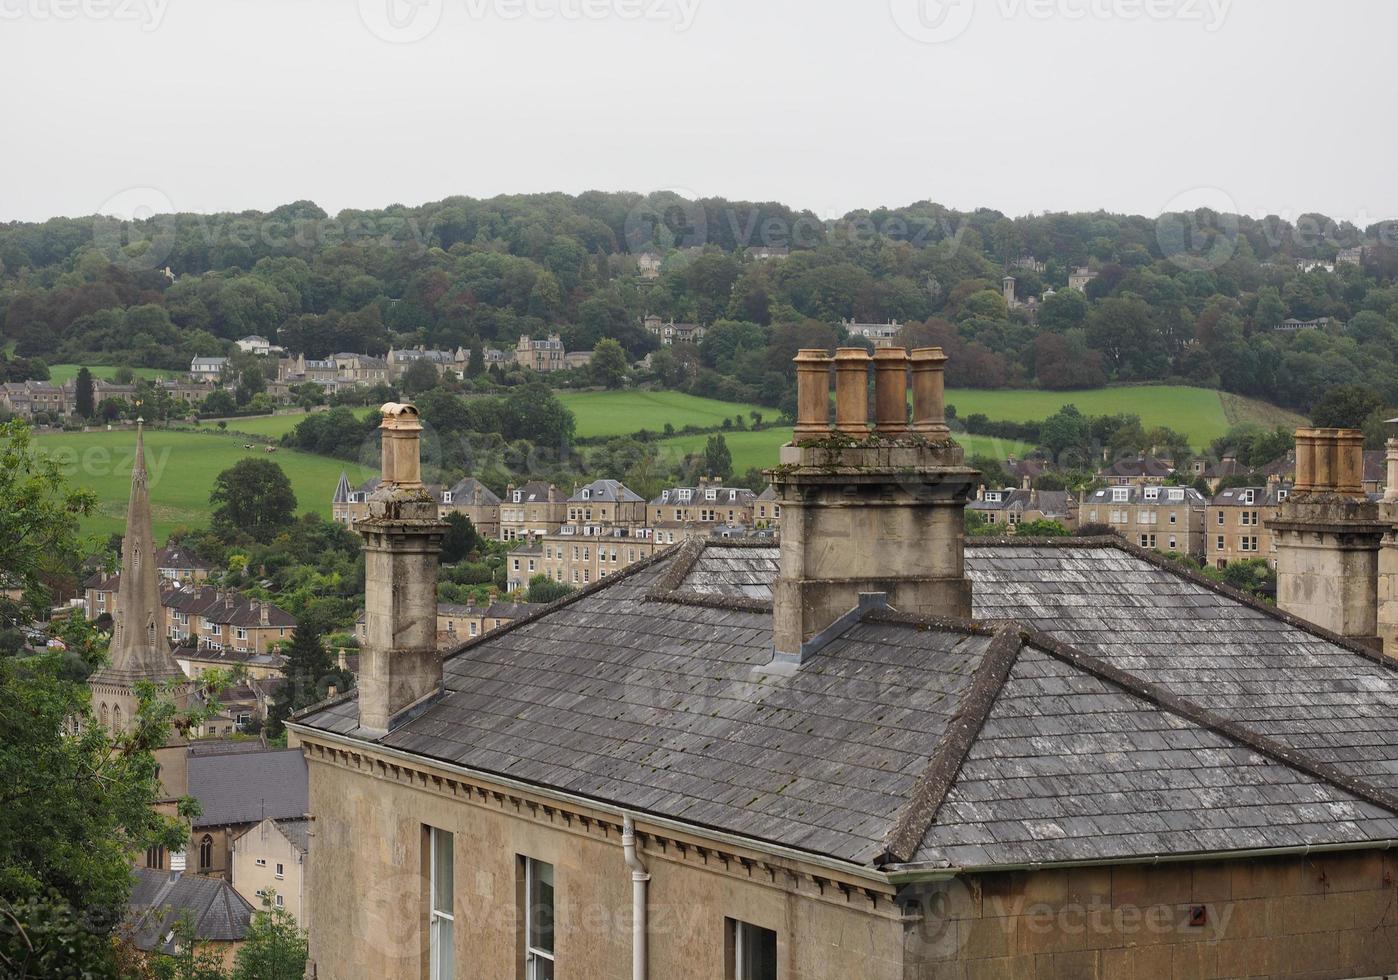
point(139, 651)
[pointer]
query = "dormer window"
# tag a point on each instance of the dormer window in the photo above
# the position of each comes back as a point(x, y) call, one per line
point(1247, 496)
point(1152, 493)
point(1176, 495)
point(1121, 495)
point(710, 494)
point(446, 496)
point(518, 496)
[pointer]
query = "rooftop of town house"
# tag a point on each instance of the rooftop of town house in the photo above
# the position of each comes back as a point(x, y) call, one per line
point(1103, 705)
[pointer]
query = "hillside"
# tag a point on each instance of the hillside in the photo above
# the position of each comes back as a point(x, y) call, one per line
point(182, 467)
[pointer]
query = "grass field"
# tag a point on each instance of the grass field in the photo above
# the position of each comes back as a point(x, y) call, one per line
point(1199, 413)
point(620, 413)
point(59, 373)
point(182, 467)
point(759, 449)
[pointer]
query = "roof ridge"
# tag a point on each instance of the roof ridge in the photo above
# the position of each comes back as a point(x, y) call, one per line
point(919, 812)
point(1185, 708)
point(1191, 575)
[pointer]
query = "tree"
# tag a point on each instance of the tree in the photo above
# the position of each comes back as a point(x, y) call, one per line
point(275, 948)
point(420, 376)
point(75, 800)
point(1345, 407)
point(39, 525)
point(124, 376)
point(1064, 430)
point(1041, 529)
point(718, 461)
point(475, 364)
point(85, 393)
point(218, 402)
point(608, 365)
point(460, 540)
point(252, 497)
point(545, 590)
point(310, 672)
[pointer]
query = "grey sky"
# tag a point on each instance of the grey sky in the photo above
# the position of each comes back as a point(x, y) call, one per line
point(1278, 106)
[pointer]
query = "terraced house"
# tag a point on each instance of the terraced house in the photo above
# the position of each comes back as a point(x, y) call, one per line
point(872, 751)
point(1150, 516)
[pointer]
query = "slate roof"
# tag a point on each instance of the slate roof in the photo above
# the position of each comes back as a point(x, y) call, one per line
point(249, 786)
point(1129, 710)
point(606, 492)
point(160, 899)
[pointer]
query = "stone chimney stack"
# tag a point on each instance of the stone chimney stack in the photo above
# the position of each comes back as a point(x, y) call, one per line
point(400, 668)
point(1388, 555)
point(868, 505)
point(1328, 535)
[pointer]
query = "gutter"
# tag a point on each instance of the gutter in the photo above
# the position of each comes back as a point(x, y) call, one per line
point(892, 876)
point(639, 879)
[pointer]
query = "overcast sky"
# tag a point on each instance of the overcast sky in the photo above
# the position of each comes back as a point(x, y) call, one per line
point(1274, 106)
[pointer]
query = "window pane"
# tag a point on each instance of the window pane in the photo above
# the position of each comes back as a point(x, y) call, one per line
point(757, 953)
point(541, 906)
point(443, 950)
point(442, 871)
point(540, 969)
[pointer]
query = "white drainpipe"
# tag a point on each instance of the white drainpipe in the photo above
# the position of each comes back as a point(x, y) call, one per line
point(639, 877)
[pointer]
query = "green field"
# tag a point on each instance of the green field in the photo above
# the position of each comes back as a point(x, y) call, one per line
point(182, 467)
point(760, 448)
point(59, 373)
point(620, 413)
point(1199, 413)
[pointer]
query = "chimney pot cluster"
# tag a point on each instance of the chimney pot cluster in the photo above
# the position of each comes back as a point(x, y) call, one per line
point(401, 431)
point(891, 367)
point(1330, 461)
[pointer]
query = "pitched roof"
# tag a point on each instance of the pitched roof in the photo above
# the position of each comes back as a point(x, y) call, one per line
point(1129, 710)
point(1143, 465)
point(160, 899)
point(249, 786)
point(605, 491)
point(472, 492)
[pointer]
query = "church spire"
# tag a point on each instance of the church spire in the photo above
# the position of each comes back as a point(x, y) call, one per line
point(138, 651)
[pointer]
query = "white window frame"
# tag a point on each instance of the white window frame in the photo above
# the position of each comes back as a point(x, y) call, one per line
point(535, 956)
point(441, 922)
point(739, 931)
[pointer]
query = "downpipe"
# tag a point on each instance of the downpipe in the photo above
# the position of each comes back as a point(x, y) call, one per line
point(639, 878)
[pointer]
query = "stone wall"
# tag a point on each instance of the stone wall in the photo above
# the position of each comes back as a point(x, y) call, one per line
point(1322, 916)
point(366, 909)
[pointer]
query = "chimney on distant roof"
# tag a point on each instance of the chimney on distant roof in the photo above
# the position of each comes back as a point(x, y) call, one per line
point(400, 667)
point(868, 507)
point(1328, 534)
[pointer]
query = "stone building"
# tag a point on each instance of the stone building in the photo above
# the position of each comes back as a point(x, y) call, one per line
point(872, 752)
point(1080, 277)
point(1236, 527)
point(215, 913)
point(534, 509)
point(269, 858)
point(236, 792)
point(579, 554)
point(878, 334)
point(544, 356)
point(467, 496)
point(670, 333)
point(607, 502)
point(1008, 508)
point(708, 503)
point(1140, 470)
point(1151, 516)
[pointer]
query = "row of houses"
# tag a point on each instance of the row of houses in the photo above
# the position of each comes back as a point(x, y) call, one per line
point(26, 399)
point(208, 625)
point(534, 509)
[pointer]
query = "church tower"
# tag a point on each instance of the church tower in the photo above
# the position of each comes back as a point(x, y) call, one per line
point(139, 650)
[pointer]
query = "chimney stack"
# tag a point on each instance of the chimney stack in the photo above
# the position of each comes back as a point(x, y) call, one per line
point(1388, 554)
point(400, 667)
point(868, 507)
point(1328, 536)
